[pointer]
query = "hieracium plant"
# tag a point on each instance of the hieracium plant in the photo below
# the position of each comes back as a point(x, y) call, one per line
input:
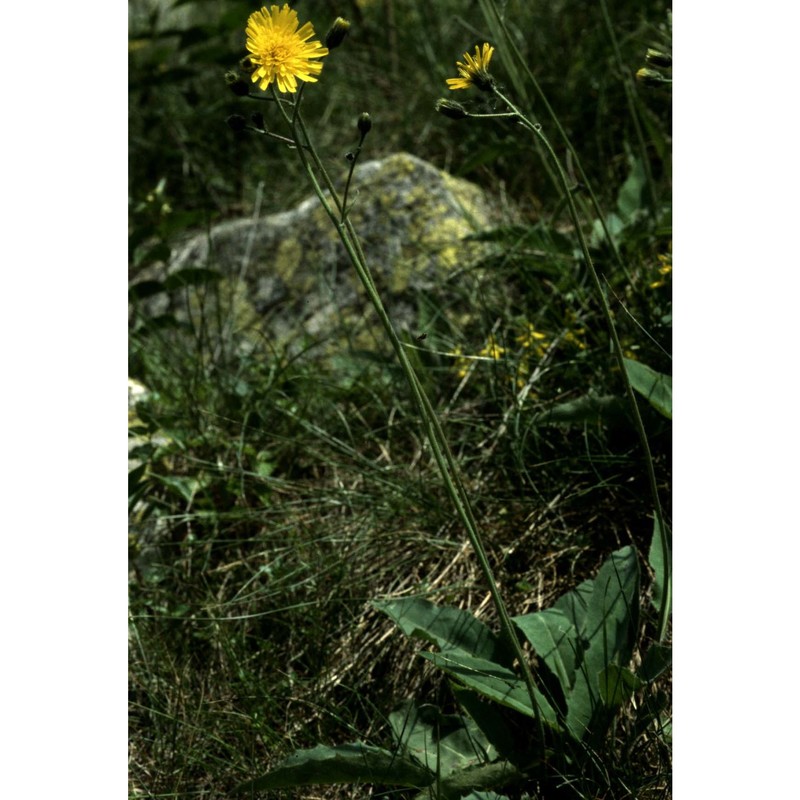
point(582, 646)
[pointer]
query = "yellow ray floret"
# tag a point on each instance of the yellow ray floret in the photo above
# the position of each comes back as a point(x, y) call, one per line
point(281, 50)
point(474, 70)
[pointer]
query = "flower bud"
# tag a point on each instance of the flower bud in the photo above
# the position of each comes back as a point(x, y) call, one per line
point(651, 78)
point(257, 118)
point(655, 58)
point(364, 124)
point(237, 84)
point(451, 109)
point(236, 122)
point(336, 35)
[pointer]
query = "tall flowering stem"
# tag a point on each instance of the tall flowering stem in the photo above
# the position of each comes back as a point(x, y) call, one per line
point(537, 131)
point(337, 212)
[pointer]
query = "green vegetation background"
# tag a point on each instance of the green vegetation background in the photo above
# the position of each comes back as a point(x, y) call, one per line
point(292, 497)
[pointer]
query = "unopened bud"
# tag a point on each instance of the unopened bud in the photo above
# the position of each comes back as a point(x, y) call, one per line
point(451, 109)
point(236, 122)
point(237, 84)
point(337, 33)
point(655, 58)
point(257, 118)
point(364, 124)
point(649, 77)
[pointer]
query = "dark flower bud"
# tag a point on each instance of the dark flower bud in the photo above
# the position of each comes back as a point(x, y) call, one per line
point(451, 109)
point(364, 124)
point(655, 58)
point(236, 122)
point(336, 35)
point(237, 84)
point(257, 118)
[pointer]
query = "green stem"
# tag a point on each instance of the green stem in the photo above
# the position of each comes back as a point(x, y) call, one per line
point(629, 98)
point(536, 129)
point(435, 434)
point(493, 15)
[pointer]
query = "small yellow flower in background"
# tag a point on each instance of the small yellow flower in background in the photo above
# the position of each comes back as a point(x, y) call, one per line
point(572, 338)
point(461, 364)
point(664, 269)
point(475, 70)
point(280, 50)
point(492, 350)
point(533, 339)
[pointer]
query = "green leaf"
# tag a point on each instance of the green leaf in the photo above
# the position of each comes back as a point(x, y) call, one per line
point(492, 680)
point(617, 685)
point(629, 199)
point(448, 628)
point(348, 763)
point(655, 558)
point(555, 640)
point(490, 719)
point(443, 743)
point(609, 633)
point(575, 604)
point(654, 386)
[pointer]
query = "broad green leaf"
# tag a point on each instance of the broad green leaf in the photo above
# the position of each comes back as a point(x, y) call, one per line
point(609, 632)
point(443, 743)
point(492, 680)
point(654, 386)
point(617, 685)
point(490, 719)
point(575, 604)
point(448, 628)
point(348, 763)
point(555, 640)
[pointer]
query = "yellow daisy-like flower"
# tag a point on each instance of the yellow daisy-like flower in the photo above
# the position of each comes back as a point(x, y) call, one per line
point(474, 69)
point(280, 49)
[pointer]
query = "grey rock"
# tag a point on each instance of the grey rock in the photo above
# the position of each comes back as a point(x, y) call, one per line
point(288, 276)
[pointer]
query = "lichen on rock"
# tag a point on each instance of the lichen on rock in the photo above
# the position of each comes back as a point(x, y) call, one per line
point(413, 221)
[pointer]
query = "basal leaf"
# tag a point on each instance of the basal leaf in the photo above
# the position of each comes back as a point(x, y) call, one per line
point(448, 628)
point(348, 763)
point(555, 640)
point(609, 632)
point(492, 680)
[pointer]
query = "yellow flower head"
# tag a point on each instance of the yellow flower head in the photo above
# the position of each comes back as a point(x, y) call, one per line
point(475, 70)
point(280, 51)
